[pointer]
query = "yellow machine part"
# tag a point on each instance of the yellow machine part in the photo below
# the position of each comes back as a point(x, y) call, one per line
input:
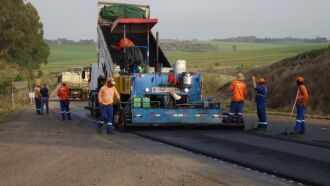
point(123, 84)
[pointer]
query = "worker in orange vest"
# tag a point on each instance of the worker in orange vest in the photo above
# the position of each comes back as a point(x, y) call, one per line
point(238, 92)
point(106, 97)
point(63, 93)
point(123, 44)
point(301, 104)
point(37, 98)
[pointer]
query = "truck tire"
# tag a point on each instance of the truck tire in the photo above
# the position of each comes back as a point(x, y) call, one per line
point(121, 121)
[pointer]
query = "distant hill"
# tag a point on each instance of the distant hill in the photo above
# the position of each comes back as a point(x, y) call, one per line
point(280, 77)
point(254, 39)
point(64, 41)
point(188, 46)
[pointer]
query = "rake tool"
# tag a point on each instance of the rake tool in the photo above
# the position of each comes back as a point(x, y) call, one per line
point(285, 132)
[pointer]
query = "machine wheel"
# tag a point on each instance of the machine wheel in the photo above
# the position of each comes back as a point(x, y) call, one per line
point(121, 120)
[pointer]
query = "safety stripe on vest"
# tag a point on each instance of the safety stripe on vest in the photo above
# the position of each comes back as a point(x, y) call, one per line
point(231, 113)
point(109, 123)
point(299, 121)
point(240, 113)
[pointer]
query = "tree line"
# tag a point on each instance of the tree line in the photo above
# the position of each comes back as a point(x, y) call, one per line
point(285, 39)
point(22, 35)
point(64, 41)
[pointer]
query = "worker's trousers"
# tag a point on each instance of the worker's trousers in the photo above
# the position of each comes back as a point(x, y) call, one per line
point(44, 102)
point(236, 107)
point(300, 122)
point(106, 117)
point(38, 105)
point(65, 110)
point(261, 111)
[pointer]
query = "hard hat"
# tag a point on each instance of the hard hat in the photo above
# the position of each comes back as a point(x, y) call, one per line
point(300, 79)
point(111, 80)
point(240, 76)
point(261, 81)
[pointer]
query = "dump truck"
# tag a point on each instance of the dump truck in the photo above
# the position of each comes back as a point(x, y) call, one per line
point(153, 91)
point(77, 79)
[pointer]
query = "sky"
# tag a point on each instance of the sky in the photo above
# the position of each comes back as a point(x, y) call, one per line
point(196, 19)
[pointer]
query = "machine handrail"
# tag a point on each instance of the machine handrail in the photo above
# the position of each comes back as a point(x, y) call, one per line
point(109, 62)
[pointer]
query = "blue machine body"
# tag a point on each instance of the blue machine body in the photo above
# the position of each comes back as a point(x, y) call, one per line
point(153, 81)
point(195, 110)
point(180, 116)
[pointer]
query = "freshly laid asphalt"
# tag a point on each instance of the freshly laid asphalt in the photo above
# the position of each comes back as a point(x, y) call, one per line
point(304, 158)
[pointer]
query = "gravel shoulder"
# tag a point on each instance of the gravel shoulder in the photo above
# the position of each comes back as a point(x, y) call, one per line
point(43, 150)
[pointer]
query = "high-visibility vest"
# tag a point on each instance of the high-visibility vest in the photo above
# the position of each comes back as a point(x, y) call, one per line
point(238, 89)
point(302, 96)
point(63, 93)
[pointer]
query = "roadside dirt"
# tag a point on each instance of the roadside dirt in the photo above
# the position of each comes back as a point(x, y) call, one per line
point(43, 150)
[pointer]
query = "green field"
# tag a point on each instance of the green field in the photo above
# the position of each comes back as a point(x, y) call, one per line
point(63, 57)
point(247, 54)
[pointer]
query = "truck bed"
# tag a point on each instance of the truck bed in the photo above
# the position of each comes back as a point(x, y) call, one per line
point(139, 40)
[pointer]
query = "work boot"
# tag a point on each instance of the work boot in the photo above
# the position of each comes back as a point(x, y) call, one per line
point(109, 128)
point(63, 116)
point(68, 116)
point(99, 126)
point(229, 118)
point(303, 128)
point(260, 129)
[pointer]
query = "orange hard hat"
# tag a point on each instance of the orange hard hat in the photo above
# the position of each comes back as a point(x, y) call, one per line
point(261, 81)
point(300, 79)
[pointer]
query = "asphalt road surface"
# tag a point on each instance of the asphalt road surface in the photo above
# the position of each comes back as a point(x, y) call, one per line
point(303, 158)
point(44, 150)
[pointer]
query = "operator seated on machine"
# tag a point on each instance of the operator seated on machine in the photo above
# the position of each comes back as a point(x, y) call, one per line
point(132, 59)
point(123, 43)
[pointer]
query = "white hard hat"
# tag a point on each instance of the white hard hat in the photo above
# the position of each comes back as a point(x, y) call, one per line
point(112, 80)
